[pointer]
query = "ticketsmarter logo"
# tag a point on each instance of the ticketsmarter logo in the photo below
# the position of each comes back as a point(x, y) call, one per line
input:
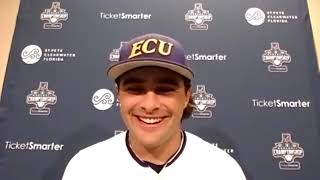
point(53, 16)
point(277, 57)
point(198, 16)
point(203, 101)
point(41, 98)
point(115, 54)
point(288, 151)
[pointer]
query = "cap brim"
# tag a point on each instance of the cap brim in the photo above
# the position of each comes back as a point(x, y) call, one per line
point(118, 69)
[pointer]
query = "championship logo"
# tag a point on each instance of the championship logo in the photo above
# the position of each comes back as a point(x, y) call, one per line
point(53, 16)
point(198, 16)
point(288, 151)
point(115, 54)
point(41, 98)
point(277, 57)
point(203, 101)
point(103, 99)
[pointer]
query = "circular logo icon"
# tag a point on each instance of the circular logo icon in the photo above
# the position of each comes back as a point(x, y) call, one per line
point(102, 99)
point(255, 16)
point(31, 54)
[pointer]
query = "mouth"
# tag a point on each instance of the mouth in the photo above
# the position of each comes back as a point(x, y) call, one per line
point(150, 120)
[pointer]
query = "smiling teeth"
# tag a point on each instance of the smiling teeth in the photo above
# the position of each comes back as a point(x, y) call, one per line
point(150, 120)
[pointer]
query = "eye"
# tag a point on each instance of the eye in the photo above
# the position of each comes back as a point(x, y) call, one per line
point(135, 89)
point(164, 89)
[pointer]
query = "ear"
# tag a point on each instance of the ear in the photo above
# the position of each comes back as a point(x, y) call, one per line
point(116, 87)
point(188, 95)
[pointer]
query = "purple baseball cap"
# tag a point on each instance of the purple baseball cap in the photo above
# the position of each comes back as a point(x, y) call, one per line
point(151, 50)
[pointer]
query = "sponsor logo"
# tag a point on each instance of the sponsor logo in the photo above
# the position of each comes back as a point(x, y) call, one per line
point(57, 55)
point(203, 101)
point(257, 17)
point(103, 99)
point(198, 16)
point(278, 103)
point(33, 53)
point(41, 98)
point(124, 16)
point(288, 151)
point(115, 54)
point(206, 57)
point(53, 16)
point(277, 57)
point(280, 17)
point(32, 146)
point(227, 150)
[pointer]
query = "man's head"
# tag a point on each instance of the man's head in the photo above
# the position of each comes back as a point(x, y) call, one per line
point(154, 87)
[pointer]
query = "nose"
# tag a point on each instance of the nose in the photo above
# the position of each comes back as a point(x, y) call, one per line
point(150, 102)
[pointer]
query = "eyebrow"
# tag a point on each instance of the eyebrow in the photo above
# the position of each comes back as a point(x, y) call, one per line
point(132, 80)
point(170, 81)
point(163, 80)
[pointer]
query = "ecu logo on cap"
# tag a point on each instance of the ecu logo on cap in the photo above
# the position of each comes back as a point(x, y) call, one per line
point(143, 47)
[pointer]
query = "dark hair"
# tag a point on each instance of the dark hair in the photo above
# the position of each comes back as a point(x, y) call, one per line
point(190, 107)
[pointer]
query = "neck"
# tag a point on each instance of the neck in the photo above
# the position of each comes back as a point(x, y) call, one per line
point(159, 154)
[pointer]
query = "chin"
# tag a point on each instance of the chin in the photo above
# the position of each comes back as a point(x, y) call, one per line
point(151, 139)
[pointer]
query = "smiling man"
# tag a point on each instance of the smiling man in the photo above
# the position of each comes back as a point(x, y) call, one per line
point(153, 82)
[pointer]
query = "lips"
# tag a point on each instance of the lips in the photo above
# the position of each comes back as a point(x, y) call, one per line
point(150, 120)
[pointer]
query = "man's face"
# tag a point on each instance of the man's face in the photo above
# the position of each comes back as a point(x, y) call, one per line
point(152, 101)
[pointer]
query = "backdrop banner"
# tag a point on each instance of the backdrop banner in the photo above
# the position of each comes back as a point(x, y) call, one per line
point(256, 85)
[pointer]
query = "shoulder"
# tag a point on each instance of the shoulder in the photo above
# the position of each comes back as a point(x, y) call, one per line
point(109, 145)
point(91, 159)
point(103, 148)
point(196, 143)
point(212, 156)
point(203, 148)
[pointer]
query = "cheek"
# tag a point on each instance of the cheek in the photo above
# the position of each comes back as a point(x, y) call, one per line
point(125, 111)
point(126, 103)
point(176, 105)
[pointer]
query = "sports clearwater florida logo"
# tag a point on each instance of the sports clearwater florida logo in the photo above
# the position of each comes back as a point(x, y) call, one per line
point(255, 16)
point(31, 54)
point(203, 101)
point(103, 99)
point(277, 57)
point(288, 151)
point(53, 16)
point(41, 98)
point(198, 16)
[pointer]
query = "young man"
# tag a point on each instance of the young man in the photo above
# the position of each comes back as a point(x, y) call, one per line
point(153, 83)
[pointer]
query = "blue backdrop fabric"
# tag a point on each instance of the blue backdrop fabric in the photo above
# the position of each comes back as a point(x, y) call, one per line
point(256, 84)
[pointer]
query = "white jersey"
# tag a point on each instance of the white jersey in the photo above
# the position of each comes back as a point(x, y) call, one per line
point(113, 159)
